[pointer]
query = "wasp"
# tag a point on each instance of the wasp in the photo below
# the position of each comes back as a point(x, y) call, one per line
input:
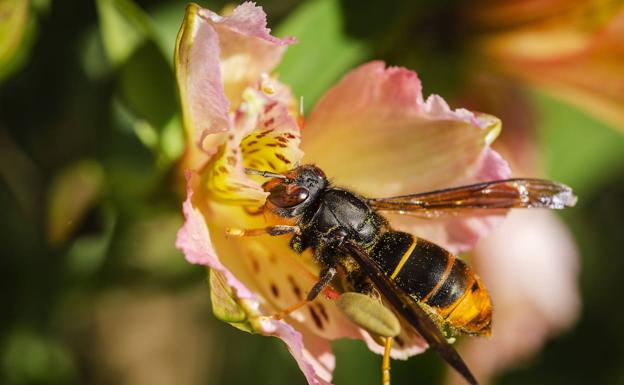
point(424, 284)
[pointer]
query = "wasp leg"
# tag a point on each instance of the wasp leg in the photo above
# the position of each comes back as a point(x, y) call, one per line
point(270, 230)
point(327, 275)
point(385, 365)
point(288, 310)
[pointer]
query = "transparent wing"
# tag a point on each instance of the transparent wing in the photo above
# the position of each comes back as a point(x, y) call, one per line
point(497, 195)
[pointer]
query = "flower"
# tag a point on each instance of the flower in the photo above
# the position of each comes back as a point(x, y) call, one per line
point(373, 132)
point(529, 263)
point(570, 49)
point(530, 266)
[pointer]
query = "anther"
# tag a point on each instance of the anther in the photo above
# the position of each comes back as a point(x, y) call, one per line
point(266, 85)
point(301, 118)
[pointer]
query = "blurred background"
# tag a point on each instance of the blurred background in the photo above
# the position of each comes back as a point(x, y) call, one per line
point(92, 289)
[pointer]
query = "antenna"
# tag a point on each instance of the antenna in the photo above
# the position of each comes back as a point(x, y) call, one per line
point(266, 174)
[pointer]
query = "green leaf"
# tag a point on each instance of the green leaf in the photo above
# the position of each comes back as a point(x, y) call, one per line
point(32, 358)
point(172, 140)
point(578, 149)
point(167, 18)
point(88, 251)
point(224, 304)
point(324, 53)
point(93, 56)
point(72, 193)
point(146, 86)
point(17, 31)
point(124, 28)
point(149, 244)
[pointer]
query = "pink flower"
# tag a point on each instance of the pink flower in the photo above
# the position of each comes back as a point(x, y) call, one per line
point(530, 266)
point(373, 132)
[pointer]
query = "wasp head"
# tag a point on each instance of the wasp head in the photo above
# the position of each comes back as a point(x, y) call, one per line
point(294, 192)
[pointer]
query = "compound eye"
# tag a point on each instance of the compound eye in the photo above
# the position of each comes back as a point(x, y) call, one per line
point(288, 195)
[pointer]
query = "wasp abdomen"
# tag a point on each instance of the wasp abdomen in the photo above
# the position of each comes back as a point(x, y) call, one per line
point(434, 276)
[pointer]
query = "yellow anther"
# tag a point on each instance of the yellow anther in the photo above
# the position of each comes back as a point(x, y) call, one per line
point(234, 232)
point(266, 85)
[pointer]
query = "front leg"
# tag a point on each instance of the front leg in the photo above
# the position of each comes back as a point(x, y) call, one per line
point(270, 230)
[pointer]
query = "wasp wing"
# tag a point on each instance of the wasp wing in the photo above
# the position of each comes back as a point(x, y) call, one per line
point(409, 310)
point(497, 195)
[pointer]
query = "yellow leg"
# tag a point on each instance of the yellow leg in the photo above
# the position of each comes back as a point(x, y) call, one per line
point(291, 309)
point(385, 366)
point(271, 230)
point(327, 274)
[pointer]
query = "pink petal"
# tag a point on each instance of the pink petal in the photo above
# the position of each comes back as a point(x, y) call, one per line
point(407, 344)
point(314, 358)
point(530, 267)
point(194, 241)
point(216, 59)
point(459, 233)
point(375, 133)
point(247, 48)
point(283, 278)
point(204, 105)
point(315, 372)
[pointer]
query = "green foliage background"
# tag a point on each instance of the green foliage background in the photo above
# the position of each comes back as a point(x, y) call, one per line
point(92, 289)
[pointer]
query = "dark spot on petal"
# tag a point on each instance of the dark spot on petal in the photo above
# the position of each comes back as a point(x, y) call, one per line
point(274, 290)
point(290, 136)
point(271, 165)
point(231, 137)
point(231, 160)
point(316, 318)
point(222, 169)
point(254, 162)
point(253, 151)
point(282, 158)
point(269, 107)
point(252, 143)
point(269, 122)
point(323, 311)
point(255, 266)
point(282, 139)
point(295, 288)
point(272, 145)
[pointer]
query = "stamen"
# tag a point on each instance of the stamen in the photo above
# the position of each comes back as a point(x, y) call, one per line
point(301, 118)
point(385, 364)
point(266, 85)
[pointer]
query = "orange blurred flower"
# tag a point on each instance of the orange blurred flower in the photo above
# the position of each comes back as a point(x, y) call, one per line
point(573, 50)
